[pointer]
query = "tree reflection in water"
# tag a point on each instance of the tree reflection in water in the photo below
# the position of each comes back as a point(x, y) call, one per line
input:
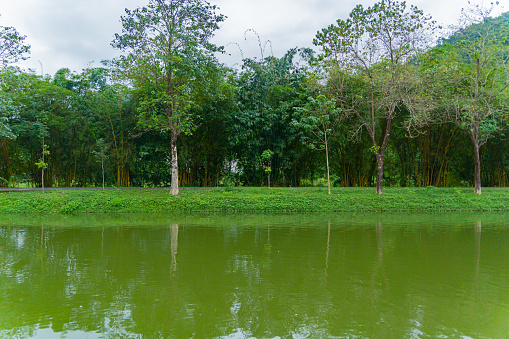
point(227, 280)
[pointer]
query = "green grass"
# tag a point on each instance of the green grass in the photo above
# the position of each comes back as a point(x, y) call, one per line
point(255, 200)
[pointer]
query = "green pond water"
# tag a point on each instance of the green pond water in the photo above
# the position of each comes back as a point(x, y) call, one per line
point(255, 276)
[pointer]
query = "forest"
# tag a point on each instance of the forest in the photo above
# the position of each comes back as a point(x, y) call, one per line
point(385, 99)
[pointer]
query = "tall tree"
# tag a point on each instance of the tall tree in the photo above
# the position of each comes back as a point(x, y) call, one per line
point(165, 44)
point(320, 117)
point(470, 73)
point(268, 91)
point(367, 58)
point(12, 49)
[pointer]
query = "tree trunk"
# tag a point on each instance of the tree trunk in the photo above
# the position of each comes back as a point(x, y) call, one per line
point(327, 159)
point(380, 154)
point(477, 167)
point(102, 167)
point(174, 190)
point(42, 175)
point(379, 173)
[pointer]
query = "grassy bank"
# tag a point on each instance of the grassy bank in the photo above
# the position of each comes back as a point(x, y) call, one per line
point(255, 200)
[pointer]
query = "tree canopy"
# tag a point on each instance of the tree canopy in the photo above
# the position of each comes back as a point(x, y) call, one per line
point(12, 46)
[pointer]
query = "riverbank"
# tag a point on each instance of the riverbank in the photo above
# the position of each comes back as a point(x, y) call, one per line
point(428, 199)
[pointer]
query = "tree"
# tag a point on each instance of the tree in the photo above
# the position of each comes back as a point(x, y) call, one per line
point(165, 45)
point(42, 165)
point(320, 118)
point(40, 109)
point(367, 58)
point(470, 73)
point(7, 110)
point(268, 91)
point(266, 160)
point(6, 132)
point(12, 46)
point(101, 154)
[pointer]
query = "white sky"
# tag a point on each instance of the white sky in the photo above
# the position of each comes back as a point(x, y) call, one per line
point(77, 33)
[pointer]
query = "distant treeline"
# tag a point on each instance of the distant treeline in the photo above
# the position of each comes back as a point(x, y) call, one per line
point(104, 120)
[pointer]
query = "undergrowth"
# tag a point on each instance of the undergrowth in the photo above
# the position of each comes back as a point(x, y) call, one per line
point(255, 200)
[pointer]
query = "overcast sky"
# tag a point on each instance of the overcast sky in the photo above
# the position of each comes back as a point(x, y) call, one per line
point(77, 33)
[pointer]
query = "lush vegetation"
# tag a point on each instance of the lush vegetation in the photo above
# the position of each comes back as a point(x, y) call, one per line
point(294, 120)
point(251, 199)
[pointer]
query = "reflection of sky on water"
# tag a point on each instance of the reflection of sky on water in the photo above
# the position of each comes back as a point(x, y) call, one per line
point(48, 333)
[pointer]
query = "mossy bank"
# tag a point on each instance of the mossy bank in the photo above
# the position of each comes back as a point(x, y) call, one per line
point(255, 200)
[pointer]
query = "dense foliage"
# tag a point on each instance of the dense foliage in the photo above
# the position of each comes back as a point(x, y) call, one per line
point(313, 113)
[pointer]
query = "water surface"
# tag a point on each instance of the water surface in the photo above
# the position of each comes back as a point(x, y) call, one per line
point(255, 276)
